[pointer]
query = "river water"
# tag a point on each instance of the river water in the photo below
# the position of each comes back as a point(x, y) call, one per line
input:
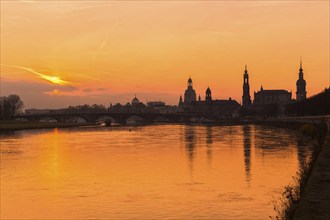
point(148, 172)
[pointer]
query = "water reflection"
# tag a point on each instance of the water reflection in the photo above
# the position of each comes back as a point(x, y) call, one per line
point(268, 141)
point(209, 142)
point(247, 151)
point(304, 152)
point(190, 141)
point(164, 171)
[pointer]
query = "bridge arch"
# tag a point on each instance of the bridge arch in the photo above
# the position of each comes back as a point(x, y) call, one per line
point(75, 119)
point(106, 119)
point(48, 119)
point(21, 119)
point(161, 119)
point(134, 119)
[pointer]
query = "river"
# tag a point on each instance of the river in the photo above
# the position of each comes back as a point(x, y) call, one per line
point(148, 172)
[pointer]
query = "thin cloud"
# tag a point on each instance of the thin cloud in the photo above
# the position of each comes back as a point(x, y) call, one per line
point(101, 89)
point(27, 1)
point(100, 48)
point(87, 90)
point(53, 79)
point(89, 77)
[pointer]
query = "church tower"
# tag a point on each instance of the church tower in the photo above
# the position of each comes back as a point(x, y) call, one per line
point(301, 85)
point(246, 98)
point(189, 94)
point(208, 101)
point(180, 102)
point(208, 97)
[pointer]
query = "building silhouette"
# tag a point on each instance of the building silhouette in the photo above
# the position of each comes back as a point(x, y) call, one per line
point(246, 98)
point(274, 96)
point(301, 85)
point(135, 101)
point(180, 102)
point(271, 101)
point(189, 94)
point(209, 107)
point(280, 96)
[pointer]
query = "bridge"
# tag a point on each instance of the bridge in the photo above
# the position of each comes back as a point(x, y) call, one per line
point(121, 118)
point(125, 118)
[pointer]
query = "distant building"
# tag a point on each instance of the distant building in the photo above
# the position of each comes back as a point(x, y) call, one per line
point(208, 107)
point(156, 104)
point(276, 96)
point(34, 111)
point(271, 102)
point(135, 101)
point(213, 108)
point(246, 98)
point(189, 94)
point(301, 85)
point(138, 107)
point(161, 107)
point(180, 101)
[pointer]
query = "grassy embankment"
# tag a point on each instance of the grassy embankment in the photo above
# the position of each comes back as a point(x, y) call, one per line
point(21, 125)
point(292, 194)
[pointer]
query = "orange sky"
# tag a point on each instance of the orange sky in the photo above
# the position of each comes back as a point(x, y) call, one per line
point(60, 53)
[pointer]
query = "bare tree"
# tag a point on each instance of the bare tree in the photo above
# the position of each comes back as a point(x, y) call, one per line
point(9, 106)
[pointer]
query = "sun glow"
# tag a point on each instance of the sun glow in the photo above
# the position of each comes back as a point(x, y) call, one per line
point(53, 79)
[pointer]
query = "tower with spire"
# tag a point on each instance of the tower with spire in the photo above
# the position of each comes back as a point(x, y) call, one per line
point(301, 85)
point(180, 102)
point(208, 96)
point(208, 101)
point(246, 98)
point(189, 94)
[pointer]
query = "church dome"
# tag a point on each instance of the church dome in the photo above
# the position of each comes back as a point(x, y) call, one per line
point(135, 101)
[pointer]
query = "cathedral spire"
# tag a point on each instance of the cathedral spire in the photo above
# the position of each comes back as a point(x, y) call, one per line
point(301, 84)
point(301, 73)
point(208, 96)
point(180, 101)
point(190, 83)
point(246, 98)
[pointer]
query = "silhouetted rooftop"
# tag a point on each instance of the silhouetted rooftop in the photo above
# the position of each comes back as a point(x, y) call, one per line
point(273, 91)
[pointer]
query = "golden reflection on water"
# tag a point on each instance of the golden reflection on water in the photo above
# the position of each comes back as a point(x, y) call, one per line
point(151, 172)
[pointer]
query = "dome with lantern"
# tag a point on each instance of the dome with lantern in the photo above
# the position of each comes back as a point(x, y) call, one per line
point(135, 101)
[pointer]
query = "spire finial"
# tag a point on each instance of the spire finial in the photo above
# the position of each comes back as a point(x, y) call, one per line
point(245, 67)
point(300, 62)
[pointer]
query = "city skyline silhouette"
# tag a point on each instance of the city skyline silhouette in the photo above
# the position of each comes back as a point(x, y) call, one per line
point(56, 54)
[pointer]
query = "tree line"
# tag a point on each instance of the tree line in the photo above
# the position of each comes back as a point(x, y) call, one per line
point(316, 105)
point(10, 106)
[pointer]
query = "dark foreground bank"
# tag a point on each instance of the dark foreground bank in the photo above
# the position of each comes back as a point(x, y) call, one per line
point(21, 125)
point(309, 196)
point(315, 199)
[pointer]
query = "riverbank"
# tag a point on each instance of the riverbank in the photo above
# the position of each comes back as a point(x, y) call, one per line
point(308, 197)
point(315, 199)
point(22, 125)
